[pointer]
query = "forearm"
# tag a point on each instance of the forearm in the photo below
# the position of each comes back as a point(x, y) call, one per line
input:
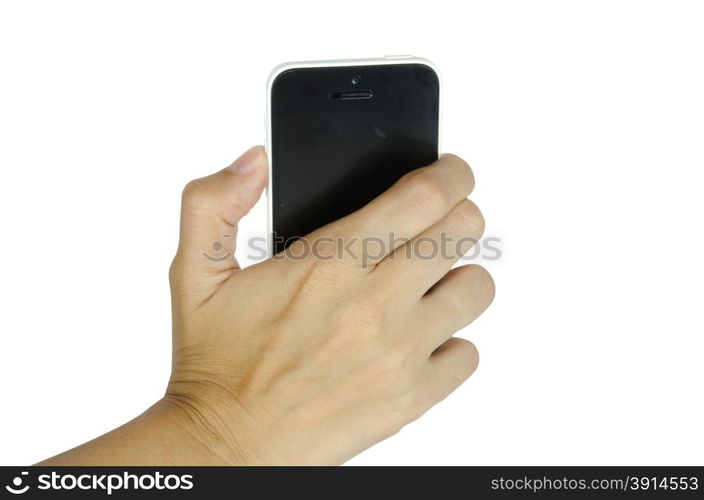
point(163, 435)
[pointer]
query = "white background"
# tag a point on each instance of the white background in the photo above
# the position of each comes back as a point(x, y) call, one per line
point(583, 121)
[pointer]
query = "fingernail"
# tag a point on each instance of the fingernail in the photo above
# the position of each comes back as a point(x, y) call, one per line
point(247, 162)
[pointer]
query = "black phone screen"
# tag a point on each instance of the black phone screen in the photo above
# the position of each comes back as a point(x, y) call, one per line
point(340, 136)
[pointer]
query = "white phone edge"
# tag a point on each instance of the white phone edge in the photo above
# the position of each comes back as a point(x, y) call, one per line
point(326, 64)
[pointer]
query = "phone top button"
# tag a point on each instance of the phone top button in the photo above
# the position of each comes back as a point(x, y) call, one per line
point(399, 57)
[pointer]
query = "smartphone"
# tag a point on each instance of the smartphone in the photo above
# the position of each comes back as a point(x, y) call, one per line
point(339, 133)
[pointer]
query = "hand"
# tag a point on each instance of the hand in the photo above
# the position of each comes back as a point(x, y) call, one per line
point(312, 357)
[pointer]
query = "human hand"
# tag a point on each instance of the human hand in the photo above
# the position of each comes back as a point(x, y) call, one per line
point(313, 358)
point(309, 357)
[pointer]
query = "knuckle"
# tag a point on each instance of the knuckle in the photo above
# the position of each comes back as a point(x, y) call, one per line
point(173, 271)
point(467, 176)
point(389, 367)
point(458, 160)
point(425, 191)
point(410, 405)
point(195, 195)
point(472, 354)
point(470, 212)
point(467, 349)
point(483, 281)
point(469, 360)
point(178, 283)
point(395, 361)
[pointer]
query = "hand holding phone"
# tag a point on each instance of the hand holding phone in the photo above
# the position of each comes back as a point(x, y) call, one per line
point(312, 360)
point(308, 361)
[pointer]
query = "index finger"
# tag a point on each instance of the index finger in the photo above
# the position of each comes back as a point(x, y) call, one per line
point(415, 202)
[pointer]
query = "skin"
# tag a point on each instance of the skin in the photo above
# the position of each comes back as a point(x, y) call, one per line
point(308, 359)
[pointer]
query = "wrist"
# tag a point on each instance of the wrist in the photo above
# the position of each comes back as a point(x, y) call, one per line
point(167, 433)
point(211, 421)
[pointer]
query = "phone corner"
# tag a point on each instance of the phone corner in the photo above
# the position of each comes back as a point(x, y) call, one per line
point(429, 63)
point(275, 72)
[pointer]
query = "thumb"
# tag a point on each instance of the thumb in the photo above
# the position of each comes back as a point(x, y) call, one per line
point(211, 208)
